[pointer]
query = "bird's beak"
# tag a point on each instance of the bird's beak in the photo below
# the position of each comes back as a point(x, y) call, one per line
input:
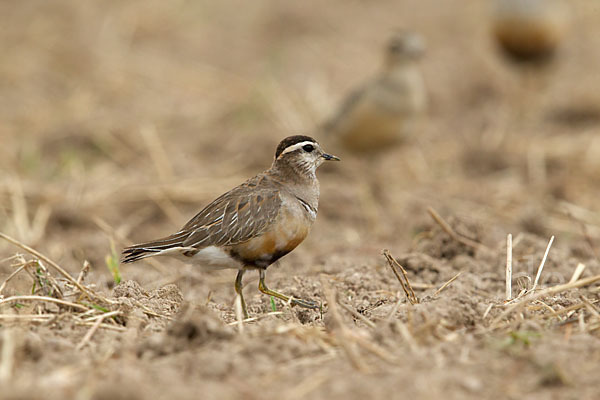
point(329, 157)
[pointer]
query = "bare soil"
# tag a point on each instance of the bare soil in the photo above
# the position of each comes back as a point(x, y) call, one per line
point(120, 120)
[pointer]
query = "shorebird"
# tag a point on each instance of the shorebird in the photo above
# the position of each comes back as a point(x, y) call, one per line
point(530, 31)
point(383, 111)
point(255, 224)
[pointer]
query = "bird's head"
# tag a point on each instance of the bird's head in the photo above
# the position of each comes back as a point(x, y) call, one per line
point(404, 46)
point(302, 153)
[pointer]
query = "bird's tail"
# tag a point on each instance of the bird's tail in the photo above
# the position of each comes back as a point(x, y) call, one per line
point(155, 248)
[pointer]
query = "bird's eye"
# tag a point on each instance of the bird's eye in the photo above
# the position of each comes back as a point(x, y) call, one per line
point(308, 148)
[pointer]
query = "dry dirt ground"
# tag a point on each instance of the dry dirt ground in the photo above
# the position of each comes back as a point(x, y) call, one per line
point(120, 120)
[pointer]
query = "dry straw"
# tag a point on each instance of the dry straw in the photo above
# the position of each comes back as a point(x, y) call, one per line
point(47, 260)
point(445, 285)
point(402, 277)
point(542, 263)
point(523, 301)
point(508, 295)
point(448, 229)
point(88, 309)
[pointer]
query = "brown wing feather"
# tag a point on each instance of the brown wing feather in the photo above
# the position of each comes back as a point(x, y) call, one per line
point(347, 106)
point(235, 217)
point(147, 249)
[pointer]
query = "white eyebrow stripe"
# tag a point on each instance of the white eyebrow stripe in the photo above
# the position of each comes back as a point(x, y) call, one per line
point(297, 146)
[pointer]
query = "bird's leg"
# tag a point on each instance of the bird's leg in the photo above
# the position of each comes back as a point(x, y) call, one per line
point(238, 290)
point(262, 286)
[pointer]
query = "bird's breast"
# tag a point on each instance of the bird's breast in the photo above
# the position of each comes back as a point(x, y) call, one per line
point(287, 232)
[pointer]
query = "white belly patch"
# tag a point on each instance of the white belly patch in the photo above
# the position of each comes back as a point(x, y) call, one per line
point(212, 257)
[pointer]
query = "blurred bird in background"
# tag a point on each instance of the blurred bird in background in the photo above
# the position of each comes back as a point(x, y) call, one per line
point(383, 111)
point(529, 34)
point(530, 31)
point(380, 114)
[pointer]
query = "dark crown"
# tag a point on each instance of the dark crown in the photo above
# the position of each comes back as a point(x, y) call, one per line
point(405, 43)
point(290, 141)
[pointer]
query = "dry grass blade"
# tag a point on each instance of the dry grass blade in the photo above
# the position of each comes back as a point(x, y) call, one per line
point(422, 286)
point(84, 271)
point(51, 263)
point(569, 309)
point(591, 307)
point(546, 292)
point(148, 311)
point(542, 263)
point(27, 317)
point(239, 315)
point(90, 333)
point(448, 229)
point(104, 326)
point(103, 316)
point(508, 294)
point(547, 307)
point(258, 317)
point(44, 283)
point(404, 282)
point(576, 274)
point(12, 275)
point(7, 358)
point(445, 285)
point(43, 298)
point(487, 310)
point(356, 314)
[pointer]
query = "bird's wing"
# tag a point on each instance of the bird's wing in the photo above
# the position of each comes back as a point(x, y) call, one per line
point(235, 217)
point(350, 102)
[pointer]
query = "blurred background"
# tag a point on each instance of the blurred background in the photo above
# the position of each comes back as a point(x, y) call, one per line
point(120, 120)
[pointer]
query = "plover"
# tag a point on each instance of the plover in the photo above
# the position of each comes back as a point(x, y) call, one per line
point(255, 224)
point(384, 110)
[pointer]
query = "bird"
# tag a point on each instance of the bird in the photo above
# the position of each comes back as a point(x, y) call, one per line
point(382, 112)
point(254, 224)
point(530, 31)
